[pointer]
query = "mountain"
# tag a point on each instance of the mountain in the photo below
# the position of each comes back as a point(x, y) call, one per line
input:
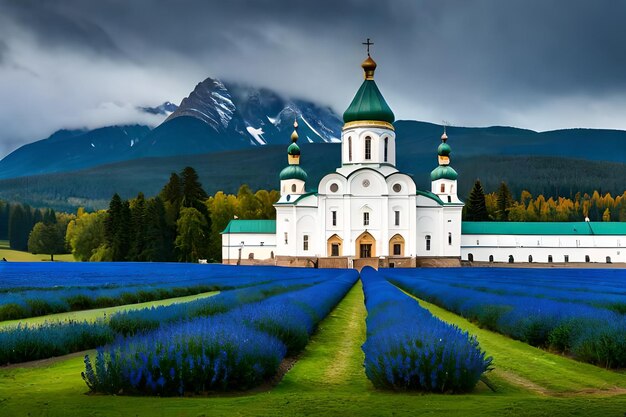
point(70, 150)
point(214, 117)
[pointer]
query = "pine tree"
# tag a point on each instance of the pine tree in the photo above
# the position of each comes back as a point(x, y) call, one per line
point(19, 228)
point(117, 228)
point(504, 201)
point(159, 242)
point(192, 193)
point(192, 239)
point(476, 209)
point(5, 209)
point(138, 229)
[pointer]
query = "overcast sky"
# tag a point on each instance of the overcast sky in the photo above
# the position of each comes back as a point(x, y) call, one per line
point(536, 64)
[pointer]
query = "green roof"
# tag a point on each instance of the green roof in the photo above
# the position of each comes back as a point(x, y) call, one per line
point(251, 226)
point(544, 228)
point(444, 149)
point(293, 149)
point(443, 171)
point(430, 195)
point(293, 172)
point(368, 104)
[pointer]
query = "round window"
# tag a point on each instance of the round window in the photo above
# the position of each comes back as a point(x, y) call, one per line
point(366, 183)
point(334, 187)
point(397, 187)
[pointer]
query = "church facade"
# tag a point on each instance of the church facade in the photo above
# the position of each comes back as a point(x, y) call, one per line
point(367, 212)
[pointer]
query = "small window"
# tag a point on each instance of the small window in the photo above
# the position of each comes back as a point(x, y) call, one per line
point(587, 258)
point(511, 259)
point(397, 187)
point(397, 249)
point(490, 258)
point(350, 148)
point(305, 242)
point(366, 219)
point(470, 257)
point(368, 148)
point(608, 259)
point(530, 259)
point(386, 146)
point(397, 218)
point(449, 239)
point(293, 188)
point(286, 238)
point(427, 242)
point(334, 217)
point(550, 258)
point(566, 258)
point(334, 249)
point(443, 188)
point(449, 199)
point(477, 242)
point(334, 187)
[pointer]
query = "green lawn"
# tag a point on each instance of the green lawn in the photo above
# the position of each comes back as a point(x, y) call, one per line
point(100, 313)
point(328, 379)
point(19, 256)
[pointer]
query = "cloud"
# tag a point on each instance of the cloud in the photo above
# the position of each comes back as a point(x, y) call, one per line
point(530, 63)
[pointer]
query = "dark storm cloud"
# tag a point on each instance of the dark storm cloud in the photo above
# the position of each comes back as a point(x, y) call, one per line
point(535, 63)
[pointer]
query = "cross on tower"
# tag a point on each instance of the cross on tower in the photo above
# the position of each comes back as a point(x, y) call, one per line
point(368, 43)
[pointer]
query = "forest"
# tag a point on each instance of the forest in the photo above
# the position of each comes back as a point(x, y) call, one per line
point(182, 223)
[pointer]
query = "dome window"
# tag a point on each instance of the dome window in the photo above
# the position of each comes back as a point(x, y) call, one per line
point(397, 187)
point(334, 187)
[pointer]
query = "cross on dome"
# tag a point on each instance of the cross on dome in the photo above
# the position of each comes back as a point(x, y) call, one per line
point(368, 43)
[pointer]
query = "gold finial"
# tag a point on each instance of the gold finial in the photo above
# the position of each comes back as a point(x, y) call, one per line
point(444, 137)
point(369, 65)
point(294, 135)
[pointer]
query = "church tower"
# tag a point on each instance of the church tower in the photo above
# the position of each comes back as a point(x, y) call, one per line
point(368, 137)
point(443, 178)
point(293, 177)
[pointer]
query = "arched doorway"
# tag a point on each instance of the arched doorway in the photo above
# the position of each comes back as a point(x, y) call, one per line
point(396, 245)
point(334, 245)
point(470, 257)
point(365, 246)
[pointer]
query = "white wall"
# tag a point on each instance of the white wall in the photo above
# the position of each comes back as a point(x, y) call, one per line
point(262, 245)
point(541, 246)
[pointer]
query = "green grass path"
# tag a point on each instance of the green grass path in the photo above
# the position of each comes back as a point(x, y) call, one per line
point(520, 365)
point(101, 313)
point(327, 380)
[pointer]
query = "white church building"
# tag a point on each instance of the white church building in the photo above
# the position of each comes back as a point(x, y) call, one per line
point(367, 212)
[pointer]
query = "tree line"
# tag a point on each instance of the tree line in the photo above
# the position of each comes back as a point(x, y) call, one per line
point(180, 224)
point(500, 205)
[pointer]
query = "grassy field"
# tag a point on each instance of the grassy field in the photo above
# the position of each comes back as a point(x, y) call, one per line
point(328, 379)
point(100, 313)
point(19, 256)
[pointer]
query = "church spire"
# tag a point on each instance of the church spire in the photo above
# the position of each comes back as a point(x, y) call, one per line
point(444, 170)
point(293, 151)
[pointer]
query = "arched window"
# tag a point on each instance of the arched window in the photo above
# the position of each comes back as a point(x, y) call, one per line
point(511, 259)
point(368, 148)
point(386, 146)
point(293, 188)
point(608, 259)
point(530, 258)
point(450, 238)
point(427, 242)
point(470, 257)
point(587, 259)
point(550, 258)
point(350, 148)
point(490, 258)
point(443, 188)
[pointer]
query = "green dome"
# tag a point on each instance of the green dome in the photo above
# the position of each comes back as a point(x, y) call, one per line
point(444, 149)
point(293, 149)
point(293, 172)
point(443, 172)
point(368, 104)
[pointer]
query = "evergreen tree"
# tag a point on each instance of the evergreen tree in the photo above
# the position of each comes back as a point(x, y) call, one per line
point(5, 209)
point(117, 228)
point(192, 239)
point(192, 193)
point(19, 228)
point(49, 217)
point(138, 229)
point(504, 201)
point(476, 209)
point(159, 242)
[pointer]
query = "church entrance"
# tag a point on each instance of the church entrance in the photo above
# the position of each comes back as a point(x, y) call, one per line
point(396, 245)
point(365, 246)
point(334, 245)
